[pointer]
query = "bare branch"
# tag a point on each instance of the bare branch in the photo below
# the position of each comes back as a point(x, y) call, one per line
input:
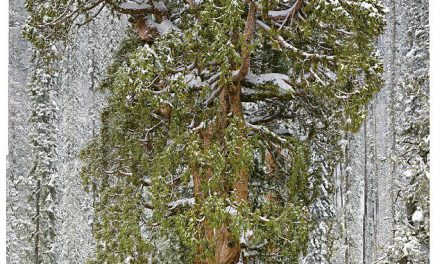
point(92, 17)
point(66, 15)
point(213, 95)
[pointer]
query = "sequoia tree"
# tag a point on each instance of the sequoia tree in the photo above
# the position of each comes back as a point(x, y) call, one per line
point(219, 120)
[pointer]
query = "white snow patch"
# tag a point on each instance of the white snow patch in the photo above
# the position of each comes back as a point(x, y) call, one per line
point(280, 13)
point(231, 210)
point(128, 259)
point(417, 216)
point(133, 5)
point(275, 78)
point(164, 26)
point(194, 81)
point(159, 5)
point(244, 236)
point(181, 202)
point(407, 173)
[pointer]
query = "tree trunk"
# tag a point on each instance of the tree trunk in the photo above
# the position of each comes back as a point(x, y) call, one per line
point(227, 247)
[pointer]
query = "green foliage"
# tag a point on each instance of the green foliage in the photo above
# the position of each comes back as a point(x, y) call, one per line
point(143, 164)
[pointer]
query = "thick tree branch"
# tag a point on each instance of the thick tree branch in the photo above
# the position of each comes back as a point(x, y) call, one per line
point(245, 50)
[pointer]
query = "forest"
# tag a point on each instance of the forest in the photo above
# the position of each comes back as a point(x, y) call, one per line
point(218, 131)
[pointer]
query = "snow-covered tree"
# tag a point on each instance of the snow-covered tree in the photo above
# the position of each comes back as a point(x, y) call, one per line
point(77, 66)
point(82, 65)
point(411, 240)
point(43, 176)
point(376, 195)
point(19, 158)
point(220, 118)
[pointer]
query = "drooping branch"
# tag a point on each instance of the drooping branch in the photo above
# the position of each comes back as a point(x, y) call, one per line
point(138, 10)
point(68, 14)
point(60, 17)
point(92, 16)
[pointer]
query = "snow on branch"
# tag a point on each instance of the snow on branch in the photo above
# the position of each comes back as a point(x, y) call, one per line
point(285, 91)
point(172, 206)
point(285, 14)
point(281, 80)
point(146, 183)
point(163, 27)
point(131, 7)
point(280, 14)
point(266, 131)
point(288, 46)
point(181, 202)
point(134, 5)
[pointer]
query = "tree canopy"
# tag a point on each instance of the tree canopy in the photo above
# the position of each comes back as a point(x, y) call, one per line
point(222, 122)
